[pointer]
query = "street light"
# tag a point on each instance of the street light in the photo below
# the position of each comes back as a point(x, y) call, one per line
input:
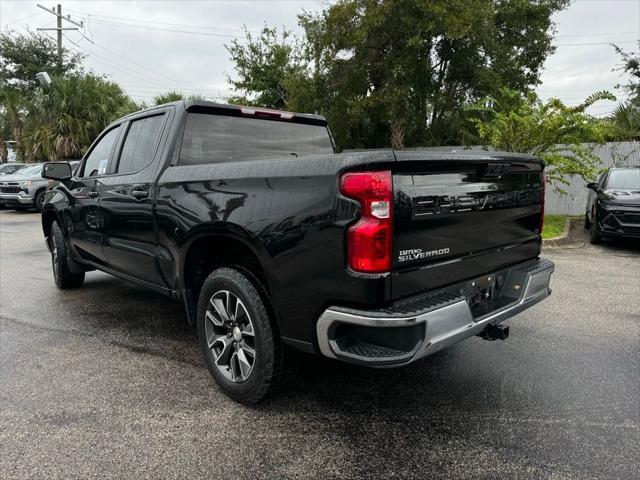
point(43, 78)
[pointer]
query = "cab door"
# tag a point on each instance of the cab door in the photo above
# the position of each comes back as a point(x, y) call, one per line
point(126, 197)
point(84, 220)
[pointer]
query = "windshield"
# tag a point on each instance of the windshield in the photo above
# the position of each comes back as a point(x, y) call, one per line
point(30, 170)
point(624, 179)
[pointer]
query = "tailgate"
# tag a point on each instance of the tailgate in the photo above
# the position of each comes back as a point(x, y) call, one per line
point(460, 216)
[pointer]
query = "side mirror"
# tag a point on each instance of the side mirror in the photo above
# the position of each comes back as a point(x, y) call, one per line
point(592, 186)
point(60, 171)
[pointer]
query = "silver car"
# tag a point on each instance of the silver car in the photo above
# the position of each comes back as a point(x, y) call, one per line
point(24, 189)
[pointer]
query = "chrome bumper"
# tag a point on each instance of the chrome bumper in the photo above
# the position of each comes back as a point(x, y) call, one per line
point(13, 198)
point(445, 320)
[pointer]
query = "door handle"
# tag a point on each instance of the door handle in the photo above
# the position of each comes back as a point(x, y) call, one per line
point(139, 194)
point(92, 194)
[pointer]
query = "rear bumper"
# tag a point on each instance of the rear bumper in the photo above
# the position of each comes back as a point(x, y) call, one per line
point(417, 327)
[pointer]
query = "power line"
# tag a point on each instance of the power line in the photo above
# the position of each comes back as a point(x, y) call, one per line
point(137, 65)
point(592, 43)
point(144, 27)
point(116, 66)
point(24, 18)
point(137, 20)
point(599, 34)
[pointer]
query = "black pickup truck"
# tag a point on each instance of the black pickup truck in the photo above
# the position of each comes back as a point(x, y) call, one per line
point(275, 242)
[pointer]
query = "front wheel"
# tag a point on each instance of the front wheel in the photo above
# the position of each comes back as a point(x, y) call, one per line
point(595, 237)
point(38, 200)
point(62, 275)
point(237, 335)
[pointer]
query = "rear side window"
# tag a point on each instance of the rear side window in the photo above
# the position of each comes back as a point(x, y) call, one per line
point(96, 163)
point(219, 138)
point(140, 144)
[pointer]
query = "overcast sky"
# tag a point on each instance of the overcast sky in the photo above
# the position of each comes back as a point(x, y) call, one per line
point(153, 46)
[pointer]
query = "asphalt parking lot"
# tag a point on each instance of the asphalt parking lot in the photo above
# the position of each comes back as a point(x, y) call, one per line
point(107, 381)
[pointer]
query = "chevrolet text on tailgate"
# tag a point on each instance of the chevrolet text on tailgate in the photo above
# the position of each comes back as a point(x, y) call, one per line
point(275, 243)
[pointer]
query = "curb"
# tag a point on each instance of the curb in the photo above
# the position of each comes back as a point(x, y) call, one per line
point(568, 236)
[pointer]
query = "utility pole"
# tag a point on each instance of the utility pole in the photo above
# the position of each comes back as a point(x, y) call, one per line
point(59, 25)
point(57, 11)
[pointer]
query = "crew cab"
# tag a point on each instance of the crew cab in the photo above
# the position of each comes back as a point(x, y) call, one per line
point(274, 242)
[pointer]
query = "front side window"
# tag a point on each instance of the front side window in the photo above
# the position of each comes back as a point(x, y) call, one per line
point(140, 144)
point(212, 138)
point(96, 163)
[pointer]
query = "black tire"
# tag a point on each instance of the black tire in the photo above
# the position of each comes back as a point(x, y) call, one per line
point(595, 237)
point(38, 200)
point(267, 368)
point(62, 275)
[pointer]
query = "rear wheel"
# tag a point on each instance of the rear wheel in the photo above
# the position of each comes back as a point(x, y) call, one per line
point(62, 275)
point(237, 335)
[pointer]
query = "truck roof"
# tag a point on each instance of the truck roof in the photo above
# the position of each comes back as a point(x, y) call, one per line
point(205, 106)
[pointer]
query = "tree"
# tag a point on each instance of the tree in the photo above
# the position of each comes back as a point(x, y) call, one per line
point(173, 96)
point(264, 67)
point(550, 130)
point(24, 55)
point(626, 116)
point(400, 69)
point(63, 119)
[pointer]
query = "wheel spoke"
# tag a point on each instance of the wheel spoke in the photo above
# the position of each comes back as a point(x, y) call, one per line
point(218, 304)
point(245, 366)
point(247, 331)
point(247, 349)
point(216, 322)
point(227, 349)
point(236, 372)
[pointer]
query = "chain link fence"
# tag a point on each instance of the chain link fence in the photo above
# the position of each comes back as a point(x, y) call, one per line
point(574, 200)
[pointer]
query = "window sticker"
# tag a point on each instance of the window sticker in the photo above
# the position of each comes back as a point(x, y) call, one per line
point(102, 166)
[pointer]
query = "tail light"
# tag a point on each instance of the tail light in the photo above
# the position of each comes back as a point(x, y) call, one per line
point(369, 239)
point(544, 190)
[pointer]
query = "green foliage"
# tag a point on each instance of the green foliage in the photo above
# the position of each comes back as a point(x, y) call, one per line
point(264, 66)
point(397, 71)
point(550, 130)
point(173, 96)
point(24, 55)
point(553, 226)
point(63, 119)
point(626, 117)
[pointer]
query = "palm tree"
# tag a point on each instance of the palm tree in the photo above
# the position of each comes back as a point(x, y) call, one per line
point(626, 118)
point(64, 118)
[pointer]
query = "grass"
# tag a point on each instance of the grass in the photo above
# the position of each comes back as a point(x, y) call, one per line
point(553, 226)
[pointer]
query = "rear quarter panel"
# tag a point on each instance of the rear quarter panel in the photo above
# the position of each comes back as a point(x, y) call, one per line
point(289, 212)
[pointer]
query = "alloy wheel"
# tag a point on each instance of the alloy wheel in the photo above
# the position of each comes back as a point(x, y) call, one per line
point(230, 336)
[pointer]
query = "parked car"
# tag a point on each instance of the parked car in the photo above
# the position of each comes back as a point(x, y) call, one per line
point(613, 205)
point(275, 242)
point(25, 189)
point(10, 168)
